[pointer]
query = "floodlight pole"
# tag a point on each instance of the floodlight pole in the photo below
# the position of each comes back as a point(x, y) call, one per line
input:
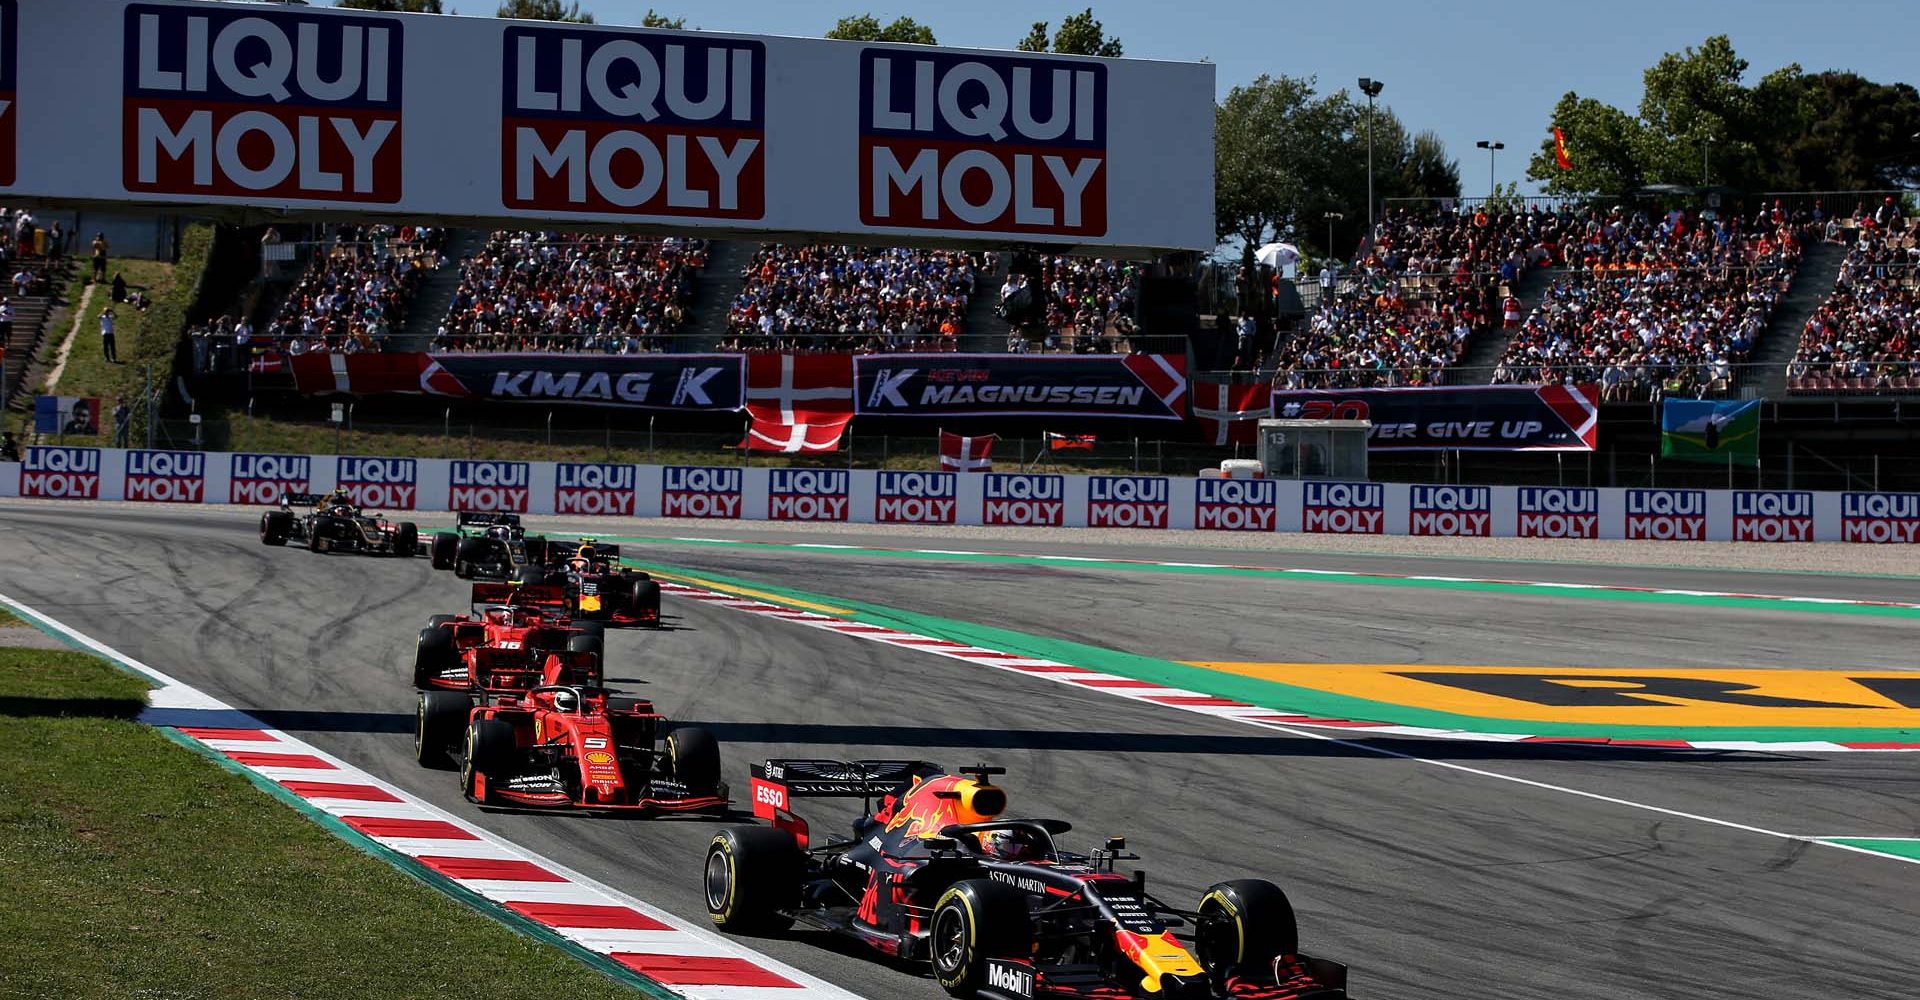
point(1371, 88)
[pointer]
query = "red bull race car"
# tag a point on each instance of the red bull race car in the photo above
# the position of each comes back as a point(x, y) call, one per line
point(333, 524)
point(996, 906)
point(595, 587)
point(511, 643)
point(569, 747)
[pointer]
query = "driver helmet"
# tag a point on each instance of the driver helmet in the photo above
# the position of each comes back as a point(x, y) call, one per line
point(497, 531)
point(1015, 844)
point(566, 700)
point(500, 615)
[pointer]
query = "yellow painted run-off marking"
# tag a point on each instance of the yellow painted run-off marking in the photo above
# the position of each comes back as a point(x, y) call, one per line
point(1622, 696)
point(758, 595)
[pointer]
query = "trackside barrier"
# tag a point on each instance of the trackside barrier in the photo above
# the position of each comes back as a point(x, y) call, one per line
point(866, 496)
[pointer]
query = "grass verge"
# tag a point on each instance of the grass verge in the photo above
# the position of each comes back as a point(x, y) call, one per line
point(134, 868)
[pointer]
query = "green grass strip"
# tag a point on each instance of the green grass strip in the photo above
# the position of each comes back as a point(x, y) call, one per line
point(1897, 848)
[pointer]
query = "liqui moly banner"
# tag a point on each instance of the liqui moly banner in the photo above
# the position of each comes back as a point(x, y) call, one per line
point(278, 103)
point(594, 488)
point(59, 472)
point(1343, 508)
point(1558, 512)
point(1455, 511)
point(1772, 516)
point(700, 491)
point(633, 122)
point(264, 479)
point(1127, 502)
point(489, 486)
point(166, 476)
point(1149, 386)
point(513, 124)
point(380, 483)
point(983, 143)
point(1667, 515)
point(1464, 418)
point(9, 50)
point(1235, 504)
point(916, 498)
point(808, 494)
point(1880, 518)
point(1024, 499)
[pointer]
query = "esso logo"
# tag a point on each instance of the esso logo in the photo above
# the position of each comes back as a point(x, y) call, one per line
point(166, 476)
point(1346, 496)
point(57, 472)
point(768, 794)
point(809, 482)
point(928, 485)
point(264, 479)
point(1017, 486)
point(594, 489)
point(1880, 518)
point(1451, 498)
point(1559, 500)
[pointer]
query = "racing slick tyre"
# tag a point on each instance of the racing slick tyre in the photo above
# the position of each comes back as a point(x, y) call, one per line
point(592, 628)
point(693, 756)
point(406, 540)
point(275, 526)
point(445, 545)
point(753, 873)
point(470, 551)
point(646, 598)
point(438, 620)
point(536, 551)
point(433, 655)
point(588, 642)
point(974, 921)
point(490, 750)
point(437, 726)
point(1247, 921)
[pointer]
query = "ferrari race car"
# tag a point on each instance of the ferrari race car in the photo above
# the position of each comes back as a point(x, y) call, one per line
point(994, 905)
point(569, 746)
point(332, 523)
point(490, 546)
point(506, 646)
point(596, 588)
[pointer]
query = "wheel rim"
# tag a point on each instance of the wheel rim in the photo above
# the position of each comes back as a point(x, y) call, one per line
point(949, 940)
point(1215, 939)
point(719, 881)
point(420, 727)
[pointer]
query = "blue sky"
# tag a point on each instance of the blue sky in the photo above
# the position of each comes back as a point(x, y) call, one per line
point(1468, 71)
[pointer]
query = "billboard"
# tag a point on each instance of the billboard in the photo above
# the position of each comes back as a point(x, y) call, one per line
point(1464, 418)
point(485, 121)
point(1145, 386)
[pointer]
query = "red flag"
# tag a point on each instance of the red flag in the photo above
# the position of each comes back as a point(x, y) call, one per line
point(1560, 150)
point(823, 433)
point(1229, 413)
point(1069, 442)
point(799, 388)
point(959, 453)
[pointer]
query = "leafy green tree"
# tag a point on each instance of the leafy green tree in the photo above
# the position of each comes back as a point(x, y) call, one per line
point(394, 6)
point(867, 28)
point(544, 10)
point(1859, 135)
point(1079, 35)
point(1426, 171)
point(1280, 153)
point(654, 19)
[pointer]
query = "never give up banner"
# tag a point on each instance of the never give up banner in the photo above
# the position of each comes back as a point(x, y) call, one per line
point(437, 118)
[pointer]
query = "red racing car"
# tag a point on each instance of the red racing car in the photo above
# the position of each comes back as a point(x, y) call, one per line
point(570, 747)
point(512, 644)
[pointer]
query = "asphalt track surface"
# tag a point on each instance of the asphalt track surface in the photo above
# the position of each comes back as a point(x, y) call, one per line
point(1430, 880)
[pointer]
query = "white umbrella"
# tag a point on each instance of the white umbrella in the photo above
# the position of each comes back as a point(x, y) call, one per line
point(1278, 256)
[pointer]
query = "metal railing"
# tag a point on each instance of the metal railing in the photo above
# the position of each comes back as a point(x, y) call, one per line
point(1623, 383)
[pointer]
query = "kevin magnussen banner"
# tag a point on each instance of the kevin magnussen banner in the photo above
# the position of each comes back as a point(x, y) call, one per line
point(1464, 418)
point(1149, 386)
point(645, 381)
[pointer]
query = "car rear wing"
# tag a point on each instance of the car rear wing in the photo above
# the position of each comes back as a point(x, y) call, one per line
point(776, 783)
point(300, 499)
point(605, 550)
point(519, 595)
point(486, 518)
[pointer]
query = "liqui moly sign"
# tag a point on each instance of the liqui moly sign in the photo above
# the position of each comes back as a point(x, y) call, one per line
point(379, 483)
point(1559, 512)
point(166, 476)
point(917, 498)
point(1126, 502)
point(261, 102)
point(61, 472)
point(1772, 516)
point(1459, 511)
point(1881, 518)
point(1344, 508)
point(594, 488)
point(983, 143)
point(1023, 498)
point(1667, 515)
point(264, 479)
point(808, 494)
point(633, 122)
point(1235, 504)
point(489, 486)
point(699, 491)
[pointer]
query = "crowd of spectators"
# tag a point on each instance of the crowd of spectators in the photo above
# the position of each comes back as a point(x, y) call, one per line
point(353, 295)
point(573, 292)
point(1865, 336)
point(848, 298)
point(1087, 305)
point(1655, 305)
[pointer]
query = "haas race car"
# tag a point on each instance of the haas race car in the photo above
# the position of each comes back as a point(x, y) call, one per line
point(994, 905)
point(569, 747)
point(332, 522)
point(506, 646)
point(490, 546)
point(594, 587)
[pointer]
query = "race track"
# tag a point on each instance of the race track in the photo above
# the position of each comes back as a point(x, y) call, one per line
point(1413, 861)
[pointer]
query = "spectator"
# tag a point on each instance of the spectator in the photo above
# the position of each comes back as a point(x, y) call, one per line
point(122, 422)
point(528, 291)
point(9, 448)
point(23, 282)
point(363, 282)
point(1865, 335)
point(99, 257)
point(853, 298)
point(107, 349)
point(6, 322)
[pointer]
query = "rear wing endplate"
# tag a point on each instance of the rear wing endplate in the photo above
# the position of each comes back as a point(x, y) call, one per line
point(483, 518)
point(520, 595)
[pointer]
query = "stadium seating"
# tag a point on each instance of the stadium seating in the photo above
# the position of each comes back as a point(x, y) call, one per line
point(799, 298)
point(354, 293)
point(1865, 336)
point(529, 291)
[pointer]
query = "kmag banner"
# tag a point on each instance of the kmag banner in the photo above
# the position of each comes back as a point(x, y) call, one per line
point(1148, 386)
point(1464, 418)
point(642, 381)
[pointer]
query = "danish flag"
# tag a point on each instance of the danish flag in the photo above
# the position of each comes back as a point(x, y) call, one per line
point(966, 454)
point(1230, 413)
point(798, 437)
point(799, 402)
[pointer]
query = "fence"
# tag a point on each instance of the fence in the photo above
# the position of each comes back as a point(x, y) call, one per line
point(1619, 383)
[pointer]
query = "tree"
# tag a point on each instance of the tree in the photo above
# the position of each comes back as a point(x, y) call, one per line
point(1426, 172)
point(394, 6)
point(1079, 35)
point(1281, 155)
point(867, 28)
point(652, 19)
point(1859, 134)
point(544, 10)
